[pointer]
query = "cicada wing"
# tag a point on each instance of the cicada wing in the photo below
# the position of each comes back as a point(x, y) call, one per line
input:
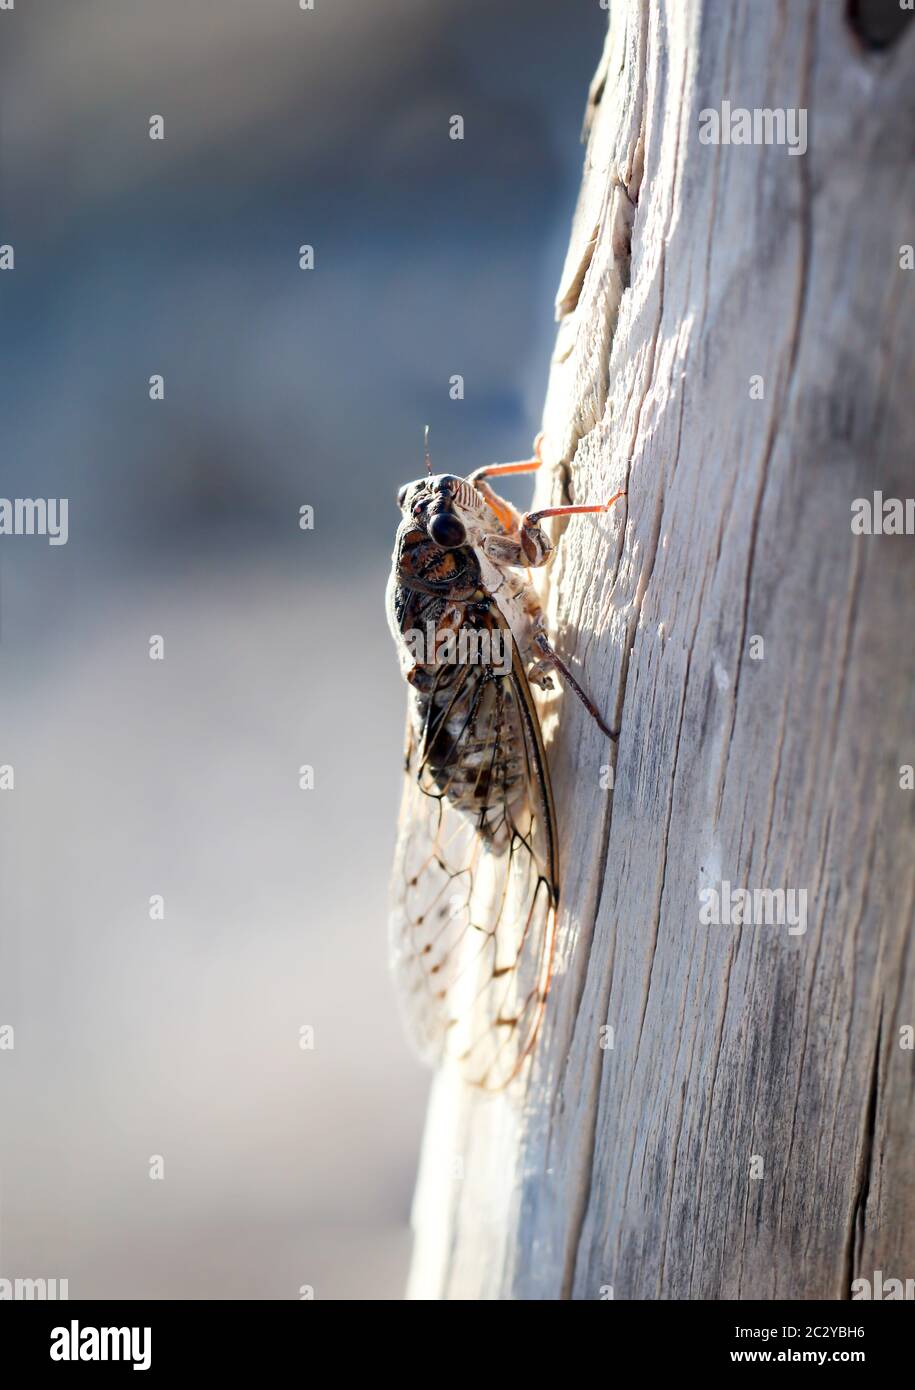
point(474, 894)
point(435, 861)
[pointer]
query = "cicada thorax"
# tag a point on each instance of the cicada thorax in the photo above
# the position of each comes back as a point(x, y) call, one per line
point(465, 717)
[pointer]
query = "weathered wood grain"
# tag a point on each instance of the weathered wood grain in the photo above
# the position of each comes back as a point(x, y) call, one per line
point(691, 269)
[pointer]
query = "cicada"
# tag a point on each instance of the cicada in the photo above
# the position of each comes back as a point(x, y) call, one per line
point(476, 875)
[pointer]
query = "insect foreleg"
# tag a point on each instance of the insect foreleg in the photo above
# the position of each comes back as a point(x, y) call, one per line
point(508, 515)
point(535, 543)
point(499, 470)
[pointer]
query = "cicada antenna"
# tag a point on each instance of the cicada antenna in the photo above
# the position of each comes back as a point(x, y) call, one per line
point(427, 455)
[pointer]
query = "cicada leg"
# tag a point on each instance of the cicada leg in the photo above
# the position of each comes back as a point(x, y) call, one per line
point(536, 548)
point(551, 659)
point(499, 470)
point(536, 544)
point(508, 515)
point(533, 548)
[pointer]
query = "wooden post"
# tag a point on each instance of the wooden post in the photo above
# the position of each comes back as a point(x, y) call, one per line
point(720, 1111)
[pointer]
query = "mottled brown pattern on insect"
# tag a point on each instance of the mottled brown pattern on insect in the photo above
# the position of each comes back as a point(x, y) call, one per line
point(476, 877)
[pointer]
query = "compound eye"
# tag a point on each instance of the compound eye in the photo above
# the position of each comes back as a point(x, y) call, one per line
point(447, 531)
point(401, 494)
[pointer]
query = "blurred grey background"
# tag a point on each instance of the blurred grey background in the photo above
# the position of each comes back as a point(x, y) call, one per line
point(180, 1037)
